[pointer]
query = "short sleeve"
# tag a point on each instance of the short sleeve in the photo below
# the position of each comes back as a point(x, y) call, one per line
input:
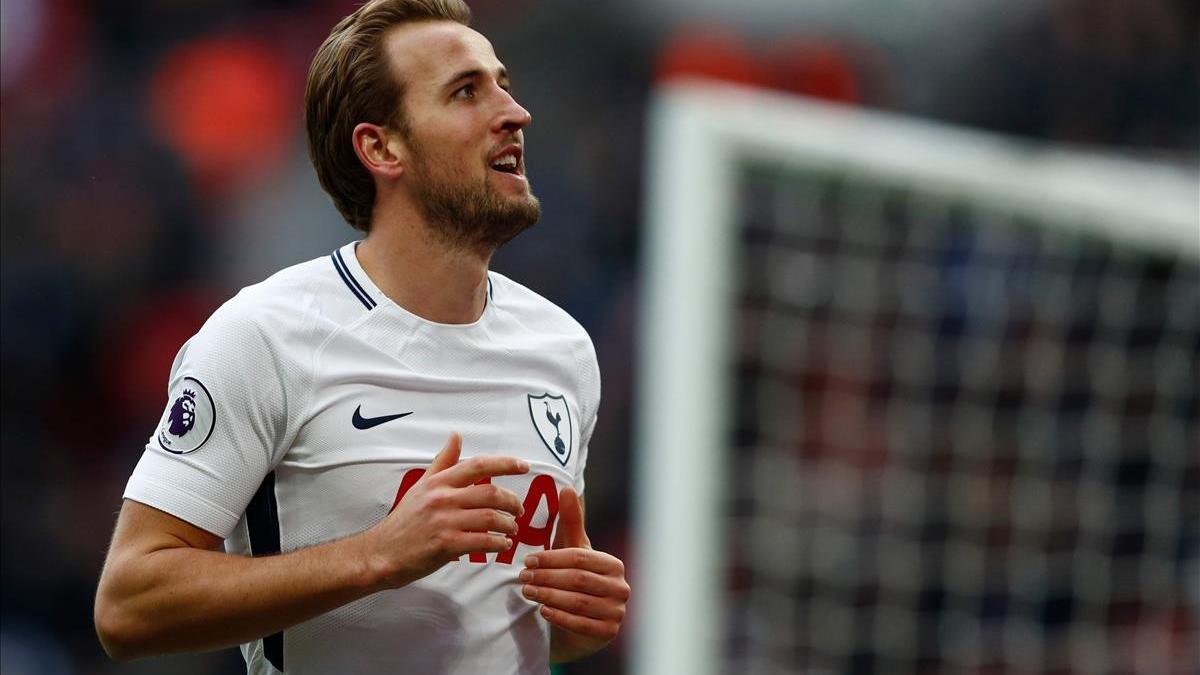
point(590, 385)
point(225, 425)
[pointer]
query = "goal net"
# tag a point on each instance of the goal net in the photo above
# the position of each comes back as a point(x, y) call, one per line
point(912, 399)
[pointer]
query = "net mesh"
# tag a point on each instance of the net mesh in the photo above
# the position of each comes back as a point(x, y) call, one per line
point(966, 441)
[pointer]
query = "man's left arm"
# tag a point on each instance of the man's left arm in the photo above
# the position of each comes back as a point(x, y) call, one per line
point(582, 591)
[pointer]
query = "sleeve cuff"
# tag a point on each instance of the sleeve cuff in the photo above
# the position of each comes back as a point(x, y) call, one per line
point(196, 510)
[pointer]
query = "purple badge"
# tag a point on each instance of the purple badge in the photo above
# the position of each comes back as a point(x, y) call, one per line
point(183, 413)
point(189, 419)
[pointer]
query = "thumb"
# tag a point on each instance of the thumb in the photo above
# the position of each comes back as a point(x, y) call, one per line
point(570, 532)
point(448, 456)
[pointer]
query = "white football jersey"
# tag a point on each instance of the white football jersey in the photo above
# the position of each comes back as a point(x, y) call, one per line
point(309, 402)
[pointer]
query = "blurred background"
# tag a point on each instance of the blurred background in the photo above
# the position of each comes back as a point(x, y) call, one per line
point(153, 162)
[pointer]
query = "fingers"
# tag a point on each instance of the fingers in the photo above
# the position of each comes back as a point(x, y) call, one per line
point(448, 456)
point(579, 604)
point(481, 542)
point(464, 473)
point(491, 497)
point(580, 558)
point(472, 470)
point(570, 521)
point(581, 581)
point(487, 520)
point(605, 630)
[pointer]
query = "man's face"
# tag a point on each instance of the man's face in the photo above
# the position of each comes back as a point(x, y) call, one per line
point(466, 164)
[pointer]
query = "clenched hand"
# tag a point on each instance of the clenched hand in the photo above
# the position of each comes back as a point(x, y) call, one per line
point(445, 515)
point(582, 591)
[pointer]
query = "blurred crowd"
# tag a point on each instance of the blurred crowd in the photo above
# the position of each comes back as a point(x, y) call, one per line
point(153, 162)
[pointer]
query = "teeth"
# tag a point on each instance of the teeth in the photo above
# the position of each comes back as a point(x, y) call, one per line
point(506, 162)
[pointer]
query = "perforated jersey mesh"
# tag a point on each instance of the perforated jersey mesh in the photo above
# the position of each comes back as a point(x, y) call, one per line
point(291, 364)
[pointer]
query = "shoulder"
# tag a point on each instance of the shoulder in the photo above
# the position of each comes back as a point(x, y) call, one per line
point(298, 307)
point(535, 312)
point(546, 328)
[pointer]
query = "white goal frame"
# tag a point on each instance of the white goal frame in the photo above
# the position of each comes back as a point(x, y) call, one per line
point(698, 131)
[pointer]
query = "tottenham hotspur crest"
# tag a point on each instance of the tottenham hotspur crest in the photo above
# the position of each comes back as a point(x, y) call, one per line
point(189, 418)
point(552, 420)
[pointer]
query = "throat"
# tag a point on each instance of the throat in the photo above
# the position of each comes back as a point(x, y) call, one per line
point(436, 283)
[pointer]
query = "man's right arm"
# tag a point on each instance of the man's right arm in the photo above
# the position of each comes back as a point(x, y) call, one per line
point(167, 586)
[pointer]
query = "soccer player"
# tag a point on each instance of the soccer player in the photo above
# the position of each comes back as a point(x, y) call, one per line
point(372, 462)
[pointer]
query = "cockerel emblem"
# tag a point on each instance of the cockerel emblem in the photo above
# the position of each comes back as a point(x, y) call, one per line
point(551, 418)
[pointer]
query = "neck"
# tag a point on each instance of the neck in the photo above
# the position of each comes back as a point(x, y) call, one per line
point(426, 276)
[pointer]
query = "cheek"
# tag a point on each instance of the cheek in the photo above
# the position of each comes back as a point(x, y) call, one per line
point(451, 159)
point(458, 139)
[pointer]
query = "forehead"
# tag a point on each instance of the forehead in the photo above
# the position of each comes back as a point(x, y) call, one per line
point(424, 55)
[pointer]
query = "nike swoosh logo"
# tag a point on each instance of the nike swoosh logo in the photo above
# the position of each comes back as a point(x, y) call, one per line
point(361, 422)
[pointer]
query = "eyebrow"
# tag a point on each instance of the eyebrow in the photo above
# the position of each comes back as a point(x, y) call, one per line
point(475, 73)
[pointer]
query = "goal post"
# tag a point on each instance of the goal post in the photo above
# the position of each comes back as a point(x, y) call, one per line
point(725, 420)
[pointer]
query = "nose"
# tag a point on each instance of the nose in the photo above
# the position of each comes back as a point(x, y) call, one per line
point(512, 117)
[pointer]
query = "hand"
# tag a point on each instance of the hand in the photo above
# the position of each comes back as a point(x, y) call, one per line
point(444, 515)
point(582, 591)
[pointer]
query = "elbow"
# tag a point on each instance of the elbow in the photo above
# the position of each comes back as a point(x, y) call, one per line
point(118, 631)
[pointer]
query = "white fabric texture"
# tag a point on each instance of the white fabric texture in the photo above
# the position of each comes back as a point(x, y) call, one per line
point(292, 364)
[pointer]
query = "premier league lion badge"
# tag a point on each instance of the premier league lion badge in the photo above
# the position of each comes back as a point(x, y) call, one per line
point(189, 418)
point(552, 419)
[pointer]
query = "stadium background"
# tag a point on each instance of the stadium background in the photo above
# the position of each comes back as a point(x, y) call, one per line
point(153, 162)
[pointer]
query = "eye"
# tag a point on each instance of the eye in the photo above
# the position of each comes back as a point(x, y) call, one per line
point(467, 91)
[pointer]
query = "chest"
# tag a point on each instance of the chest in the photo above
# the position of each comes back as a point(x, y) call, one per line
point(376, 420)
point(406, 418)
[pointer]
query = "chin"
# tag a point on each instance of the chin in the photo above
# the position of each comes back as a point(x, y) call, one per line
point(526, 201)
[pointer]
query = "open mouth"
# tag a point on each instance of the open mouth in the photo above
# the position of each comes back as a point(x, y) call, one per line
point(508, 161)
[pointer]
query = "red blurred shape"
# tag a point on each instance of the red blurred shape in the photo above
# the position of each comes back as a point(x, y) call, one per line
point(817, 68)
point(711, 52)
point(225, 105)
point(143, 346)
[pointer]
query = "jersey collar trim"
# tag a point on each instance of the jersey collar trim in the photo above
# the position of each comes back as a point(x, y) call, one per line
point(359, 283)
point(347, 273)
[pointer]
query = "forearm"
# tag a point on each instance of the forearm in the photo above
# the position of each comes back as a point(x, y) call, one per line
point(166, 587)
point(188, 599)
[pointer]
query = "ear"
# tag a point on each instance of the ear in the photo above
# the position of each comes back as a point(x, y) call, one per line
point(380, 149)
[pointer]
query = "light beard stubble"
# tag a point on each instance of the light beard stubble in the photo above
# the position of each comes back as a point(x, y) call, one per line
point(466, 215)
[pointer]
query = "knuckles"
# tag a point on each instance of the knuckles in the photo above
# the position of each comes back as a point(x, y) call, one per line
point(576, 605)
point(442, 542)
point(613, 561)
point(438, 499)
point(495, 494)
point(472, 465)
